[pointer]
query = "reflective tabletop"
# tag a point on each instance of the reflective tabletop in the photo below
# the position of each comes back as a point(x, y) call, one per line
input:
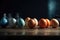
point(31, 32)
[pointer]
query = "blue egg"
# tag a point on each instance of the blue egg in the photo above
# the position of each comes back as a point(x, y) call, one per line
point(21, 22)
point(3, 21)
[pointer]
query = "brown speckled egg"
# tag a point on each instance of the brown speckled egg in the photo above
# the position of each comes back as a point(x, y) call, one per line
point(54, 23)
point(31, 23)
point(26, 21)
point(42, 23)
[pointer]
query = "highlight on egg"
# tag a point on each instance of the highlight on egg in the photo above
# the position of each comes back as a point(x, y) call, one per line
point(54, 23)
point(14, 20)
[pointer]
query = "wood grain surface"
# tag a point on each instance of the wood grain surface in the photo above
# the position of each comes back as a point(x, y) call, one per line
point(31, 32)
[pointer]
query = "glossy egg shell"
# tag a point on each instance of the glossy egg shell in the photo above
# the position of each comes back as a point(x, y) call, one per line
point(48, 22)
point(42, 23)
point(14, 20)
point(54, 23)
point(26, 21)
point(31, 23)
point(36, 21)
point(3, 21)
point(21, 22)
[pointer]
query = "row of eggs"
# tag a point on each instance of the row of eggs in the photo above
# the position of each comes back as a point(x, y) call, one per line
point(42, 23)
point(29, 22)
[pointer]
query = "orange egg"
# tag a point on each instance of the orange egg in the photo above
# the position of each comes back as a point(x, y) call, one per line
point(26, 21)
point(42, 23)
point(31, 23)
point(48, 22)
point(54, 23)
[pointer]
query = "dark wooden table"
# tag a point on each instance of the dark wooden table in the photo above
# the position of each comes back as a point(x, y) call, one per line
point(31, 32)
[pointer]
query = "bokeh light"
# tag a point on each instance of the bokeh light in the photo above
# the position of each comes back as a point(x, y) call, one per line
point(51, 8)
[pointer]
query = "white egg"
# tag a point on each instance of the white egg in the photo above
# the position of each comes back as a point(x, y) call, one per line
point(36, 21)
point(54, 23)
point(14, 20)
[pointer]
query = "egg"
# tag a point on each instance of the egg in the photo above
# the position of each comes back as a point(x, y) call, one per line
point(26, 21)
point(36, 22)
point(54, 23)
point(14, 20)
point(42, 23)
point(21, 23)
point(3, 22)
point(48, 22)
point(58, 20)
point(31, 23)
point(11, 22)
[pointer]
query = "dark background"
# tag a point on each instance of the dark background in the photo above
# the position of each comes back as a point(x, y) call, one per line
point(31, 8)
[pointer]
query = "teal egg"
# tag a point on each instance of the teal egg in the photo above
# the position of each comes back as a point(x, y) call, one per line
point(21, 22)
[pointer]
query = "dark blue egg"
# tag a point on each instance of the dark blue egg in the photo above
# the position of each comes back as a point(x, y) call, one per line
point(21, 22)
point(3, 21)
